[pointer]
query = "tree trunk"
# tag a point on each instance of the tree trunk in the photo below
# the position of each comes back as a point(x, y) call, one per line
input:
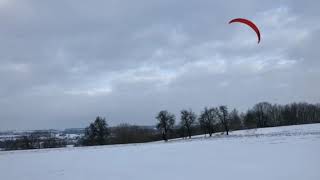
point(227, 129)
point(189, 133)
point(164, 136)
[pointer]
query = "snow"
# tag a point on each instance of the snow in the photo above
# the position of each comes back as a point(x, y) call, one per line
point(281, 153)
point(8, 137)
point(68, 136)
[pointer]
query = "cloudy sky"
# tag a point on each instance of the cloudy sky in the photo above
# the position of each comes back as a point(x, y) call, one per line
point(62, 63)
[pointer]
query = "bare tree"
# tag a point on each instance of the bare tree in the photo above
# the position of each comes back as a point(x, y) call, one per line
point(235, 120)
point(166, 121)
point(208, 120)
point(262, 111)
point(275, 115)
point(224, 118)
point(188, 118)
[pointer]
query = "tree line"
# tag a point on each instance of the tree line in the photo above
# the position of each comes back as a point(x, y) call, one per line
point(35, 140)
point(209, 121)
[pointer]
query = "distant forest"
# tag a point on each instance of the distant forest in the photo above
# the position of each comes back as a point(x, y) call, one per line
point(209, 121)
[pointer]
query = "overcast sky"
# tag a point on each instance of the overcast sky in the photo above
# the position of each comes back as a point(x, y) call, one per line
point(62, 63)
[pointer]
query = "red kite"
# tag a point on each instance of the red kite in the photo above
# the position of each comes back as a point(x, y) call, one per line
point(249, 23)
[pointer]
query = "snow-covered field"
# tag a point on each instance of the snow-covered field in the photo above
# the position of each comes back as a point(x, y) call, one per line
point(284, 153)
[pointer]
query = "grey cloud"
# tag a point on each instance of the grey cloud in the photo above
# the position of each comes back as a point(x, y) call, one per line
point(63, 63)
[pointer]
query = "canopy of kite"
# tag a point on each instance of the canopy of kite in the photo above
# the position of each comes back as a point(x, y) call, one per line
point(250, 24)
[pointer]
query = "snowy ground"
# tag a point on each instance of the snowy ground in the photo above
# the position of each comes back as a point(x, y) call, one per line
point(283, 153)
